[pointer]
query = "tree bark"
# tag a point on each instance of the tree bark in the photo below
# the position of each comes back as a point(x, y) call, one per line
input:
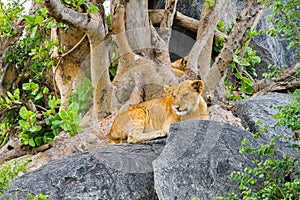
point(167, 20)
point(95, 27)
point(205, 32)
point(286, 82)
point(238, 35)
point(138, 78)
point(191, 24)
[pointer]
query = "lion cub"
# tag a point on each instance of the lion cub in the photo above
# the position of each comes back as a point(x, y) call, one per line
point(151, 119)
point(179, 66)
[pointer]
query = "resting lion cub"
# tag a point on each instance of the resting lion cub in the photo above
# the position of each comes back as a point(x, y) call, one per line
point(151, 119)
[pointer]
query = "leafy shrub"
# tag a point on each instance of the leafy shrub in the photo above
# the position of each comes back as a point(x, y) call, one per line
point(275, 175)
point(9, 171)
point(37, 197)
point(36, 112)
point(82, 96)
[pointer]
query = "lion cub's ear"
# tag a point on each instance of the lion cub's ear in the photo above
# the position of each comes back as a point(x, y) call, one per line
point(197, 86)
point(168, 89)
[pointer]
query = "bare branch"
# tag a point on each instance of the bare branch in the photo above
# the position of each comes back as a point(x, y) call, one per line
point(191, 24)
point(208, 23)
point(167, 21)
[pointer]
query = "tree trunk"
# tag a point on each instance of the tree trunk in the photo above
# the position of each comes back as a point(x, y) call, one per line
point(138, 78)
point(71, 65)
point(206, 29)
point(237, 36)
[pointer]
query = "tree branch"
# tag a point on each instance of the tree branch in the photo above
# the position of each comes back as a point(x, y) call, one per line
point(238, 35)
point(205, 31)
point(191, 24)
point(84, 21)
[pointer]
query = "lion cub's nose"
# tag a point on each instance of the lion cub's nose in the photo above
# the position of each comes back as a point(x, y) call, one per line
point(177, 108)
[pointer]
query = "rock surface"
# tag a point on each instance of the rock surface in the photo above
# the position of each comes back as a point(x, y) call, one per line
point(258, 109)
point(197, 162)
point(255, 109)
point(111, 172)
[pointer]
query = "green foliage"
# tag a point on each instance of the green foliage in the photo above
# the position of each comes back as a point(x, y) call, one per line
point(113, 66)
point(289, 115)
point(275, 73)
point(36, 113)
point(274, 175)
point(9, 171)
point(210, 4)
point(223, 28)
point(69, 119)
point(8, 14)
point(81, 6)
point(285, 21)
point(219, 44)
point(82, 96)
point(29, 109)
point(247, 61)
point(37, 197)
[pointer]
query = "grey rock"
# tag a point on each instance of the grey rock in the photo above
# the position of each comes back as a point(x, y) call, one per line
point(111, 172)
point(258, 109)
point(198, 159)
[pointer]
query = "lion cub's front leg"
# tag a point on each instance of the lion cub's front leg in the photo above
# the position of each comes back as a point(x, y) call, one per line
point(142, 137)
point(134, 126)
point(137, 132)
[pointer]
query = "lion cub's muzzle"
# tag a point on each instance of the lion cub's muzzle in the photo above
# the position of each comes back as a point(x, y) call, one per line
point(180, 111)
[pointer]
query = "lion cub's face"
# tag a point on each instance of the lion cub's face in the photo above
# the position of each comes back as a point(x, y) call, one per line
point(186, 96)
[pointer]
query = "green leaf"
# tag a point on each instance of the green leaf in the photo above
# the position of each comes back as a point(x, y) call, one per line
point(247, 81)
point(74, 107)
point(17, 93)
point(236, 59)
point(39, 20)
point(26, 86)
point(24, 125)
point(29, 19)
point(32, 116)
point(93, 9)
point(63, 114)
point(23, 112)
point(45, 90)
point(66, 127)
point(34, 31)
point(38, 96)
point(9, 94)
point(35, 129)
point(238, 75)
point(38, 141)
point(244, 62)
point(31, 142)
point(228, 84)
point(23, 136)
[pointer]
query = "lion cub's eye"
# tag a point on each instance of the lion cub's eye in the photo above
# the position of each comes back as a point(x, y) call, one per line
point(184, 95)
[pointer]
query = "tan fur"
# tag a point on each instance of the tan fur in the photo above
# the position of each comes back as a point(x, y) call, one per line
point(152, 119)
point(179, 66)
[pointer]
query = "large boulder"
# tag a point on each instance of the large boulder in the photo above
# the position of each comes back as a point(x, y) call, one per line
point(111, 172)
point(258, 109)
point(256, 113)
point(198, 159)
point(195, 161)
